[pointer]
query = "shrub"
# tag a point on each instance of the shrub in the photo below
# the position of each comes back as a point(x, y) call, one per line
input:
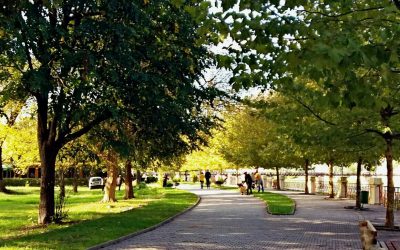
point(195, 178)
point(151, 179)
point(141, 185)
point(220, 181)
point(176, 179)
point(35, 182)
point(170, 184)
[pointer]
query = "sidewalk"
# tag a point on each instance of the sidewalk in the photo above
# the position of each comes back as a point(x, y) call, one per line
point(224, 219)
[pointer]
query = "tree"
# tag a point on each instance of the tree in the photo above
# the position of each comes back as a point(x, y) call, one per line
point(87, 61)
point(347, 48)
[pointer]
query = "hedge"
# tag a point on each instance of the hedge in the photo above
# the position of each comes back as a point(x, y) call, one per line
point(35, 182)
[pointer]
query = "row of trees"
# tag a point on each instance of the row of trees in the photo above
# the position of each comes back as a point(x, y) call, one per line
point(126, 71)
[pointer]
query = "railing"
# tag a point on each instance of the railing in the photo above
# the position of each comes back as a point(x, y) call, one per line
point(324, 188)
point(294, 185)
point(396, 204)
point(352, 190)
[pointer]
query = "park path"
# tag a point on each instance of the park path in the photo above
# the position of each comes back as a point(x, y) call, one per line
point(224, 219)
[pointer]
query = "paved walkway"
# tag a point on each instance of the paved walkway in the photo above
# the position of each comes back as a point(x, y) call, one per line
point(227, 220)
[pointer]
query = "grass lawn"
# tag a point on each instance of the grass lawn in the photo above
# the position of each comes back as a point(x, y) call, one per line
point(90, 222)
point(277, 204)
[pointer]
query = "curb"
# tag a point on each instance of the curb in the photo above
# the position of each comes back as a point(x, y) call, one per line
point(112, 242)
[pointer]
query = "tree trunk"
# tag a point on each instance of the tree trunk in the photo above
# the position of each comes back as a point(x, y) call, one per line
point(331, 190)
point(306, 164)
point(48, 163)
point(75, 180)
point(2, 184)
point(138, 177)
point(111, 181)
point(358, 185)
point(390, 188)
point(278, 185)
point(128, 181)
point(62, 182)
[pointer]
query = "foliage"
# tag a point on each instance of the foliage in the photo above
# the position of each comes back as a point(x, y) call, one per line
point(21, 147)
point(85, 62)
point(151, 179)
point(97, 222)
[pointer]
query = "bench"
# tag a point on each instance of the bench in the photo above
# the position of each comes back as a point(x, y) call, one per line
point(369, 236)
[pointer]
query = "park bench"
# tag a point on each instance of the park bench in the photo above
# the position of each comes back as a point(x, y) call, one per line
point(369, 239)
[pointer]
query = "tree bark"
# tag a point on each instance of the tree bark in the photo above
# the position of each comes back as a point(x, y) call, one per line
point(278, 185)
point(390, 188)
point(75, 180)
point(111, 181)
point(358, 185)
point(46, 205)
point(138, 177)
point(306, 164)
point(128, 181)
point(2, 184)
point(62, 182)
point(331, 190)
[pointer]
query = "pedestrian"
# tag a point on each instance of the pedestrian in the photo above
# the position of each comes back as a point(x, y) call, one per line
point(259, 181)
point(165, 180)
point(249, 182)
point(208, 177)
point(120, 180)
point(201, 178)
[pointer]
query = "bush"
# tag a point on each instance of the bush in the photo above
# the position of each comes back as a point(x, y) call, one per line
point(151, 179)
point(35, 182)
point(21, 182)
point(141, 185)
point(220, 181)
point(176, 179)
point(195, 178)
point(170, 184)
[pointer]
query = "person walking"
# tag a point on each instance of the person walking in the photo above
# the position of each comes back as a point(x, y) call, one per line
point(208, 177)
point(249, 182)
point(201, 178)
point(259, 181)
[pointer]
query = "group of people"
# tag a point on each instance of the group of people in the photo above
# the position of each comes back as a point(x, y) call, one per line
point(250, 180)
point(206, 177)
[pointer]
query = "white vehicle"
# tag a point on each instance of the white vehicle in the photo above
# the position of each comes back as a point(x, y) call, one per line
point(95, 182)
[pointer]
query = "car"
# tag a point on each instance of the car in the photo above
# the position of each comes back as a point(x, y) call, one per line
point(96, 182)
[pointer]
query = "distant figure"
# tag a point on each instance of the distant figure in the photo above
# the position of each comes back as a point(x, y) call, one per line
point(208, 177)
point(120, 180)
point(259, 181)
point(249, 182)
point(201, 178)
point(165, 179)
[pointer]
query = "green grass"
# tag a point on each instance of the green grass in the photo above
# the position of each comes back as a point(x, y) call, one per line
point(277, 204)
point(90, 222)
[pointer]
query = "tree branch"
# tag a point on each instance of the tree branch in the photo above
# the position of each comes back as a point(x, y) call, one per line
point(104, 116)
point(345, 13)
point(313, 112)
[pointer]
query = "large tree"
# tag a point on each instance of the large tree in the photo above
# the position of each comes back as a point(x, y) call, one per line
point(87, 61)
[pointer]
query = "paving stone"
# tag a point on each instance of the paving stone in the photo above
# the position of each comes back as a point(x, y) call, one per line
point(224, 219)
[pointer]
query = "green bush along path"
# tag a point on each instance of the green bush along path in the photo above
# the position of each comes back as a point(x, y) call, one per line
point(90, 222)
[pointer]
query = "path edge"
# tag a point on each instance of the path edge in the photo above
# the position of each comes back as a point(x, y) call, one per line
point(115, 241)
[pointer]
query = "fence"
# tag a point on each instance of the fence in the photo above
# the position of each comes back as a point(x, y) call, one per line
point(294, 185)
point(352, 190)
point(396, 204)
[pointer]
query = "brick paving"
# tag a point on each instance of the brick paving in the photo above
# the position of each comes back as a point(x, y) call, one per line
point(224, 219)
